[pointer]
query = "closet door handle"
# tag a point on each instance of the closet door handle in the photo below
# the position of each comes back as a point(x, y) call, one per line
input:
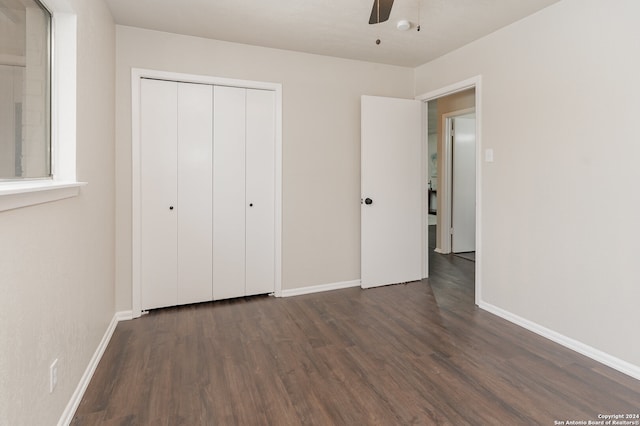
point(170, 207)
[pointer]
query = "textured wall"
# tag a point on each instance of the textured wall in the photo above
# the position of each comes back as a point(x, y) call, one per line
point(57, 259)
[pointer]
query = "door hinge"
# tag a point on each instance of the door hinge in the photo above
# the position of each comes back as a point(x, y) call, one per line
point(451, 231)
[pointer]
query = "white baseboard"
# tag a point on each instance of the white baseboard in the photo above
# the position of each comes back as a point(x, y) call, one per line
point(319, 288)
point(440, 251)
point(586, 350)
point(74, 402)
point(124, 315)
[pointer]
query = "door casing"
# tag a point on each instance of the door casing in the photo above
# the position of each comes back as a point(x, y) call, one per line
point(471, 83)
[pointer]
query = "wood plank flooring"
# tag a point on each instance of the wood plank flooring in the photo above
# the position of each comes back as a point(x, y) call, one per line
point(418, 353)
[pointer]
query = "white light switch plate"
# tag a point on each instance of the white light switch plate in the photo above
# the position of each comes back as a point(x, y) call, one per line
point(488, 155)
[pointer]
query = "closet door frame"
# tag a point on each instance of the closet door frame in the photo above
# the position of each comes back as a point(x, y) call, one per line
point(137, 74)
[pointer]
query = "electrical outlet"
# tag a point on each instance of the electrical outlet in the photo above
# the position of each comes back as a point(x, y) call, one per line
point(53, 375)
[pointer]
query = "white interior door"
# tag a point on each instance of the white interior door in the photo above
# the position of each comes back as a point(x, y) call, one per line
point(229, 135)
point(260, 192)
point(158, 193)
point(391, 216)
point(463, 200)
point(194, 207)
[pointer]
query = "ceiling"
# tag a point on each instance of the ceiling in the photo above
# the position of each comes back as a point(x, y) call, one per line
point(331, 27)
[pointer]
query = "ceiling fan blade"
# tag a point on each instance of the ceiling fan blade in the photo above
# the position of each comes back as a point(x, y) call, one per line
point(380, 11)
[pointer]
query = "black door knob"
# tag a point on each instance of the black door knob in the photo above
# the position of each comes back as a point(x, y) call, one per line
point(170, 207)
point(368, 201)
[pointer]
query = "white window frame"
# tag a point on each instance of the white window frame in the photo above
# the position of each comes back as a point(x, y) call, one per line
point(63, 183)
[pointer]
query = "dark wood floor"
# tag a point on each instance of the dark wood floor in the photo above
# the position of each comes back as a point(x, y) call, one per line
point(418, 353)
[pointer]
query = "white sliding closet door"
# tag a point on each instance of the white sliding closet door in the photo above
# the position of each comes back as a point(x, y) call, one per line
point(229, 117)
point(159, 177)
point(260, 192)
point(194, 209)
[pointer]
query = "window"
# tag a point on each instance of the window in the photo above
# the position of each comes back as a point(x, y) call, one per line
point(25, 90)
point(60, 153)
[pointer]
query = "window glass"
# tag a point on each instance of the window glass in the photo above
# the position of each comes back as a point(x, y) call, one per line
point(25, 90)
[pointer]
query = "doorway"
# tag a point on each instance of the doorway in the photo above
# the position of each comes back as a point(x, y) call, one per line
point(444, 106)
point(443, 113)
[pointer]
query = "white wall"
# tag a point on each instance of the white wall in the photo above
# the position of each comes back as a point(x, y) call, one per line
point(321, 143)
point(57, 259)
point(560, 101)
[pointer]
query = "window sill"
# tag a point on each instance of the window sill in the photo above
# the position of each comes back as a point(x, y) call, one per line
point(14, 195)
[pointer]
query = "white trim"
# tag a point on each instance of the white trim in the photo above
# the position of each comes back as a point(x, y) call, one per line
point(124, 315)
point(424, 172)
point(278, 194)
point(469, 83)
point(63, 95)
point(575, 345)
point(63, 89)
point(136, 75)
point(319, 288)
point(445, 190)
point(136, 227)
point(74, 402)
point(475, 83)
point(479, 172)
point(18, 194)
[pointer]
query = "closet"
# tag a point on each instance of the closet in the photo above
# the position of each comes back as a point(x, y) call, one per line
point(207, 183)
